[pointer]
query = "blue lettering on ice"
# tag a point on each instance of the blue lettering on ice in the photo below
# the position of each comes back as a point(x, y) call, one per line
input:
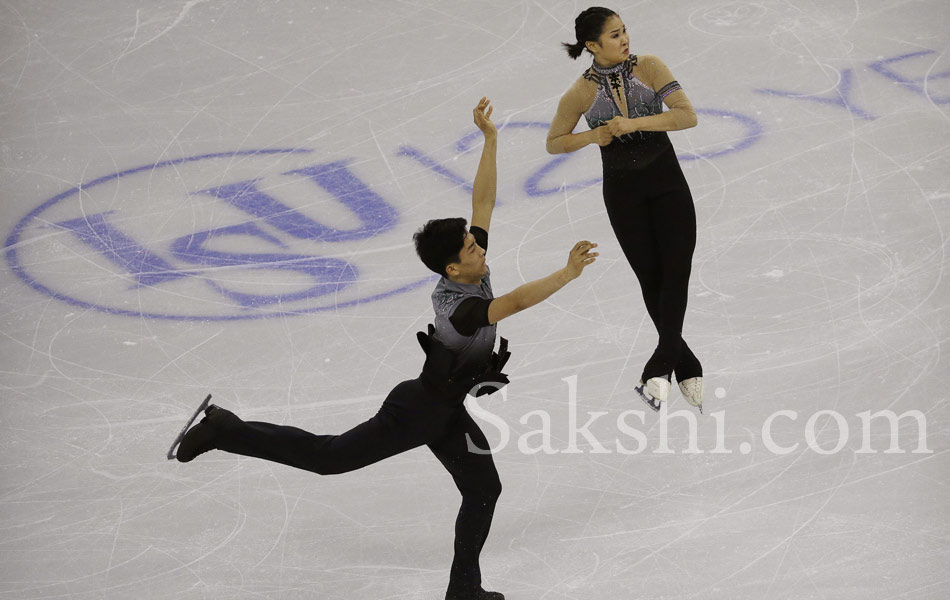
point(435, 166)
point(752, 132)
point(841, 96)
point(467, 142)
point(916, 85)
point(375, 215)
point(145, 267)
point(533, 185)
point(533, 182)
point(329, 274)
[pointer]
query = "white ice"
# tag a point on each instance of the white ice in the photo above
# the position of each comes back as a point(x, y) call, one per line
point(820, 174)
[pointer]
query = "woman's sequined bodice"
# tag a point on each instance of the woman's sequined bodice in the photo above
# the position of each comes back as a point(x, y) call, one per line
point(621, 94)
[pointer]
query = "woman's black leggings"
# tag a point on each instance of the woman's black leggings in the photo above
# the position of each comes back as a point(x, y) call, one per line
point(412, 415)
point(651, 211)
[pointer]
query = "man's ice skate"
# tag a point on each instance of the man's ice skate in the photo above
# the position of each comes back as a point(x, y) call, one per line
point(204, 436)
point(181, 434)
point(655, 392)
point(199, 439)
point(692, 390)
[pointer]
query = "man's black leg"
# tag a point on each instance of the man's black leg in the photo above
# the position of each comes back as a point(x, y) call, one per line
point(477, 479)
point(371, 441)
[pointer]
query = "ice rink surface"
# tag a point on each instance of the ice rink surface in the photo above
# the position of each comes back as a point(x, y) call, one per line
point(219, 197)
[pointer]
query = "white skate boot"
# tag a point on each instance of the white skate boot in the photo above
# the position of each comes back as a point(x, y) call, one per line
point(655, 392)
point(692, 390)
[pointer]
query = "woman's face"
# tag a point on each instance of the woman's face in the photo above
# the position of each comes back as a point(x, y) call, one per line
point(613, 45)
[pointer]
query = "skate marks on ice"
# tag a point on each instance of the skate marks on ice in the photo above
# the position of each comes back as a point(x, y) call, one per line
point(818, 285)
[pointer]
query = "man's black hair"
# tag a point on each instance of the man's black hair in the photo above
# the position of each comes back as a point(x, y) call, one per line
point(440, 241)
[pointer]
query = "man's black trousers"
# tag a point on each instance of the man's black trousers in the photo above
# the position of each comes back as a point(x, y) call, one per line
point(414, 414)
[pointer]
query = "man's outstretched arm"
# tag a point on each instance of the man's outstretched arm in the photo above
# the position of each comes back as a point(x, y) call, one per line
point(533, 292)
point(485, 185)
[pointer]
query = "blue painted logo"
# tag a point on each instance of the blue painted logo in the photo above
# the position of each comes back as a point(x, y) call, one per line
point(172, 240)
point(250, 234)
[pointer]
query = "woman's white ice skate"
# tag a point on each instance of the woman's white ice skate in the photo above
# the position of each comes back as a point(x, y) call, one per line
point(692, 390)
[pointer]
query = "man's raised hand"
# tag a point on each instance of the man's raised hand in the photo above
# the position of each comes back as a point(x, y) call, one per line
point(580, 257)
point(482, 114)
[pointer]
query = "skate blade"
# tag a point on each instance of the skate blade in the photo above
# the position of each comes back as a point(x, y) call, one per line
point(649, 401)
point(172, 452)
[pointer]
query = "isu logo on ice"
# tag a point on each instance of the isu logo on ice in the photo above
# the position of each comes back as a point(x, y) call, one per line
point(234, 235)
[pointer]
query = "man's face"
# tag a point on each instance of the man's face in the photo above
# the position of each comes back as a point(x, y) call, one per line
point(471, 266)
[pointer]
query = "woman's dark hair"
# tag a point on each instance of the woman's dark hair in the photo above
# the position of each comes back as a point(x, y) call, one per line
point(439, 242)
point(587, 28)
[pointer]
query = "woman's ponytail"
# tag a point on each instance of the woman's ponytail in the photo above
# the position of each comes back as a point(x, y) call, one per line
point(574, 50)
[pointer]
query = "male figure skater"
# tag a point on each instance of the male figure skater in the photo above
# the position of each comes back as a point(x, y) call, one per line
point(429, 409)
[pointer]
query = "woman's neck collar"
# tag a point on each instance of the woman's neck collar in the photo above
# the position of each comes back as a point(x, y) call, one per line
point(607, 68)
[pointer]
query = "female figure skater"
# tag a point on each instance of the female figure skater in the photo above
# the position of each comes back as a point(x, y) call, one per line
point(647, 198)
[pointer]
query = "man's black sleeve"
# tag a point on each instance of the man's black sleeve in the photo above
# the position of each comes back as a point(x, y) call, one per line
point(470, 314)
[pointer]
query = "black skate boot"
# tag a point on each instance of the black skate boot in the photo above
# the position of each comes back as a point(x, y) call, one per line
point(201, 438)
point(478, 594)
point(197, 440)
